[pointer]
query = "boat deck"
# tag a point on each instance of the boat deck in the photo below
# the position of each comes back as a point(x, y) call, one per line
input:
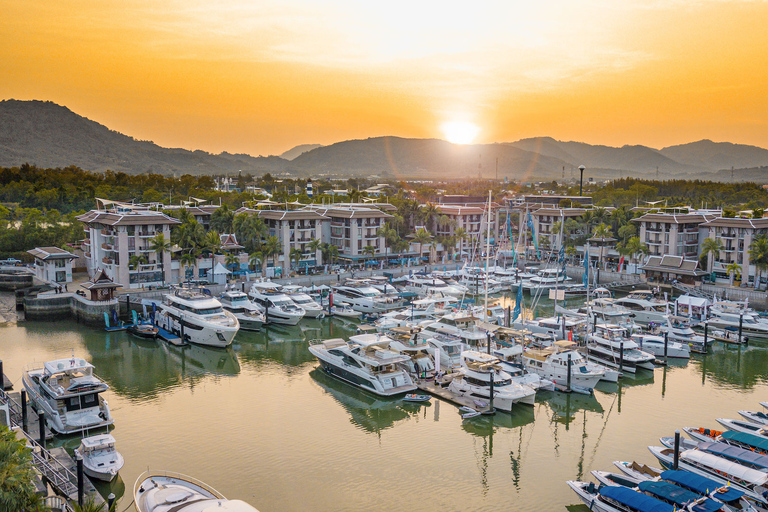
point(448, 396)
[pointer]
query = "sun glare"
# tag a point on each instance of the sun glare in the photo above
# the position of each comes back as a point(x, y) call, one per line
point(460, 132)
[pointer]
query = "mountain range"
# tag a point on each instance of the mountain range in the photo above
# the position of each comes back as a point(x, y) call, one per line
point(50, 135)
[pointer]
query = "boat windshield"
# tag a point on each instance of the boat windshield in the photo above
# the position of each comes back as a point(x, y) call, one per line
point(282, 302)
point(208, 311)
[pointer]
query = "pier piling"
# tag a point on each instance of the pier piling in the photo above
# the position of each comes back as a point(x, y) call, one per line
point(741, 326)
point(706, 336)
point(570, 365)
point(80, 481)
point(24, 411)
point(41, 426)
point(666, 343)
point(677, 450)
point(111, 497)
point(621, 357)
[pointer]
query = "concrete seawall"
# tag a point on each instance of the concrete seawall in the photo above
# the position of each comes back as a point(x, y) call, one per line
point(14, 280)
point(52, 307)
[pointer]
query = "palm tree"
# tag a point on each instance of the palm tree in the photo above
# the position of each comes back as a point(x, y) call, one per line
point(160, 246)
point(136, 260)
point(632, 248)
point(369, 250)
point(187, 260)
point(711, 248)
point(461, 235)
point(255, 259)
point(333, 253)
point(422, 237)
point(603, 232)
point(16, 474)
point(758, 255)
point(231, 260)
point(222, 220)
point(314, 246)
point(295, 256)
point(271, 248)
point(734, 271)
point(428, 214)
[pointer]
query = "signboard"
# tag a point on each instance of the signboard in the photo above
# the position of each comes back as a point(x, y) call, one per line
point(557, 294)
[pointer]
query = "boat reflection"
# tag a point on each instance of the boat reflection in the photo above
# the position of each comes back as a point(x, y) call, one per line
point(196, 360)
point(734, 365)
point(369, 412)
point(564, 406)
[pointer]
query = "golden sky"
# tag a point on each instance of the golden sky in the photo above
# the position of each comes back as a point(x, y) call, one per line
point(263, 76)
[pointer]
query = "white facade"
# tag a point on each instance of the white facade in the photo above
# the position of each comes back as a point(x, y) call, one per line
point(53, 265)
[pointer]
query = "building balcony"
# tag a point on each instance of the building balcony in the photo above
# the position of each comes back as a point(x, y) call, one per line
point(147, 234)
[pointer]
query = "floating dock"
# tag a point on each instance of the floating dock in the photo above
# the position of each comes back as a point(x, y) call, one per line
point(443, 394)
point(170, 337)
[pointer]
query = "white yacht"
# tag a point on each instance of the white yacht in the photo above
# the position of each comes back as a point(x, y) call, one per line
point(101, 460)
point(645, 309)
point(552, 363)
point(342, 309)
point(478, 372)
point(69, 394)
point(426, 285)
point(655, 345)
point(164, 491)
point(365, 361)
point(605, 346)
point(680, 329)
point(245, 311)
point(723, 316)
point(545, 279)
point(277, 307)
point(194, 315)
point(405, 341)
point(311, 308)
point(367, 299)
point(444, 347)
point(606, 311)
point(459, 324)
point(552, 326)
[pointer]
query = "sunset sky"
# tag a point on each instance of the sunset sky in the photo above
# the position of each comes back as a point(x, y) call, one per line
point(263, 76)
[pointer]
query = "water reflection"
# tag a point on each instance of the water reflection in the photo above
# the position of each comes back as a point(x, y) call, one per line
point(735, 366)
point(369, 412)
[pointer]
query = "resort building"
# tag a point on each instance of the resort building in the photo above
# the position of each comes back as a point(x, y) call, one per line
point(736, 235)
point(53, 265)
point(673, 234)
point(351, 229)
point(118, 231)
point(546, 224)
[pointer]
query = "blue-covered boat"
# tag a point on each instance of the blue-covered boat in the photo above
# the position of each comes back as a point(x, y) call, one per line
point(705, 486)
point(679, 497)
point(617, 499)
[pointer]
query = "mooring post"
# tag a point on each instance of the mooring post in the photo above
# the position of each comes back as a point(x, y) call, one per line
point(491, 405)
point(128, 304)
point(677, 450)
point(80, 481)
point(489, 342)
point(706, 336)
point(621, 356)
point(181, 328)
point(741, 325)
point(41, 426)
point(24, 410)
point(266, 313)
point(509, 316)
point(110, 502)
point(666, 343)
point(2, 376)
point(570, 365)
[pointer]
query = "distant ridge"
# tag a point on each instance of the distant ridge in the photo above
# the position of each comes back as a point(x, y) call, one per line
point(49, 135)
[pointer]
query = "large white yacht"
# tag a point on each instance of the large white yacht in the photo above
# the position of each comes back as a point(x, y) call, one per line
point(459, 324)
point(365, 361)
point(405, 341)
point(310, 306)
point(277, 307)
point(367, 299)
point(605, 346)
point(552, 363)
point(244, 310)
point(722, 317)
point(546, 278)
point(426, 285)
point(680, 329)
point(69, 394)
point(444, 347)
point(474, 381)
point(199, 318)
point(164, 491)
point(645, 309)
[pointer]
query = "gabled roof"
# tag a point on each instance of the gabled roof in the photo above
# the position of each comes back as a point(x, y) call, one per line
point(100, 280)
point(51, 253)
point(737, 222)
point(668, 218)
point(673, 265)
point(127, 218)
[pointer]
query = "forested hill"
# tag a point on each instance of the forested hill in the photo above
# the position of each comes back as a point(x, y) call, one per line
point(49, 135)
point(45, 134)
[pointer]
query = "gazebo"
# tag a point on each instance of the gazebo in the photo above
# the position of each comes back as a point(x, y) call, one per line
point(101, 286)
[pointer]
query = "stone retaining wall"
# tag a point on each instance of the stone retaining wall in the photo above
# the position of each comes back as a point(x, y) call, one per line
point(67, 305)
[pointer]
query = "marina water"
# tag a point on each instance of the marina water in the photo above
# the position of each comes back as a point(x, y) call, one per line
point(260, 422)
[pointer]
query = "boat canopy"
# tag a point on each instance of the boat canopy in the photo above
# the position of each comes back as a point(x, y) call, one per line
point(701, 484)
point(735, 453)
point(64, 365)
point(747, 439)
point(752, 476)
point(635, 500)
point(677, 495)
point(96, 442)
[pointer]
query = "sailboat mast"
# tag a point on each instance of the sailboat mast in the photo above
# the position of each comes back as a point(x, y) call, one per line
point(487, 255)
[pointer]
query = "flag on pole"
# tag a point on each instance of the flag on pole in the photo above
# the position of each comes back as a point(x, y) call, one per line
point(533, 235)
point(621, 263)
point(518, 303)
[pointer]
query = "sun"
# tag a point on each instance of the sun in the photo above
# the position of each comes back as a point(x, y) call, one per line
point(460, 132)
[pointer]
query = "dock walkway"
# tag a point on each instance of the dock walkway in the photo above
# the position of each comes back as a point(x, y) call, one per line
point(447, 396)
point(14, 409)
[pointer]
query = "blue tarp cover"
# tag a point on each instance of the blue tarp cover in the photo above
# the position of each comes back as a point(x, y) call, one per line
point(677, 495)
point(748, 439)
point(700, 484)
point(735, 453)
point(636, 500)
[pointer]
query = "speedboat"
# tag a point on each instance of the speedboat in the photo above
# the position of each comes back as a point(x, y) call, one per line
point(757, 444)
point(758, 417)
point(164, 491)
point(365, 361)
point(100, 458)
point(609, 345)
point(744, 426)
point(365, 298)
point(69, 394)
point(276, 306)
point(552, 363)
point(655, 345)
point(141, 330)
point(426, 285)
point(344, 310)
point(244, 310)
point(197, 317)
point(616, 498)
point(743, 456)
point(480, 373)
point(311, 308)
point(753, 483)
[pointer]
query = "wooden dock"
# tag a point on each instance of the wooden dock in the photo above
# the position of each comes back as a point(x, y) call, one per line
point(66, 462)
point(445, 395)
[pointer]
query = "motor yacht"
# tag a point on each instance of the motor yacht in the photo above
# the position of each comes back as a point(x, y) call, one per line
point(197, 317)
point(655, 345)
point(424, 285)
point(680, 329)
point(545, 279)
point(164, 491)
point(730, 317)
point(479, 373)
point(365, 361)
point(553, 327)
point(310, 306)
point(609, 345)
point(101, 460)
point(277, 307)
point(510, 360)
point(342, 309)
point(552, 363)
point(604, 310)
point(245, 311)
point(405, 341)
point(367, 299)
point(459, 324)
point(444, 347)
point(69, 394)
point(646, 311)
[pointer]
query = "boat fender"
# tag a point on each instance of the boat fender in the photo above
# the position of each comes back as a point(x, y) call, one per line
point(321, 316)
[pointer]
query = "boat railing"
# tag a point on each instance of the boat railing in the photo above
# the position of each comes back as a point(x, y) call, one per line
point(176, 476)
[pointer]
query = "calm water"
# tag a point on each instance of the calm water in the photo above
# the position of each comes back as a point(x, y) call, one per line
point(260, 423)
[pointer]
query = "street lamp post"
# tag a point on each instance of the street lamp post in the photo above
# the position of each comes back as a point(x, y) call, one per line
point(581, 179)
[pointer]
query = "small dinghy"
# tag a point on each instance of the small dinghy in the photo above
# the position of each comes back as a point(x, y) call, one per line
point(100, 458)
point(468, 412)
point(147, 331)
point(412, 397)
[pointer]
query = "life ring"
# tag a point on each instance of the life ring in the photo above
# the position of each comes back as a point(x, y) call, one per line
point(321, 316)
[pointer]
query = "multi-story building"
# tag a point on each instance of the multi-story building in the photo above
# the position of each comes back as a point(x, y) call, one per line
point(673, 234)
point(116, 232)
point(53, 264)
point(736, 235)
point(545, 224)
point(351, 229)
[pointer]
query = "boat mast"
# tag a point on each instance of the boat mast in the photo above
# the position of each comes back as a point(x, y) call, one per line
point(487, 257)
